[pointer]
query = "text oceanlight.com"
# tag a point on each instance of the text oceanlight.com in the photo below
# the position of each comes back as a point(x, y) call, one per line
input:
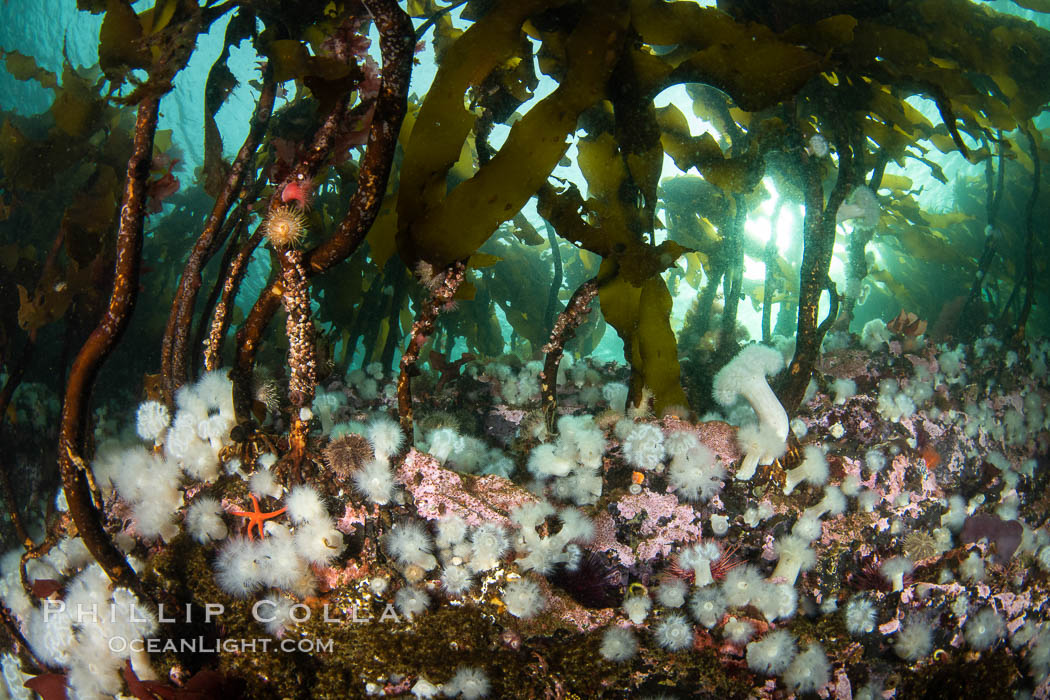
point(203, 645)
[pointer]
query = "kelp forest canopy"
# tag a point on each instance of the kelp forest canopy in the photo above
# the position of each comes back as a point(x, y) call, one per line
point(788, 178)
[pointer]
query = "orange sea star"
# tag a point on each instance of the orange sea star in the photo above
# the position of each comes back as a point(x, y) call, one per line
point(256, 517)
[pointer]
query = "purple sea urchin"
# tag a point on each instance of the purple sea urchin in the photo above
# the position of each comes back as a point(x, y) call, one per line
point(595, 582)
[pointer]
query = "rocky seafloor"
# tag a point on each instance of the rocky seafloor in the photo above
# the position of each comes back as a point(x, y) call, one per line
point(896, 548)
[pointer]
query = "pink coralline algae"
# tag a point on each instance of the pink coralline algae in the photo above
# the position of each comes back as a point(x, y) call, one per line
point(896, 475)
point(605, 540)
point(439, 492)
point(1013, 605)
point(353, 516)
point(331, 578)
point(666, 522)
point(716, 435)
point(843, 689)
point(721, 438)
point(927, 363)
point(890, 627)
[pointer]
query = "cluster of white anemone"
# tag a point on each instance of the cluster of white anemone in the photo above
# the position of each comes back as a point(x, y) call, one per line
point(543, 553)
point(463, 552)
point(572, 463)
point(149, 477)
point(375, 479)
point(465, 453)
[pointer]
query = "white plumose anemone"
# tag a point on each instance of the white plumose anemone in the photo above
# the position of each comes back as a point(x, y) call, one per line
point(745, 376)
